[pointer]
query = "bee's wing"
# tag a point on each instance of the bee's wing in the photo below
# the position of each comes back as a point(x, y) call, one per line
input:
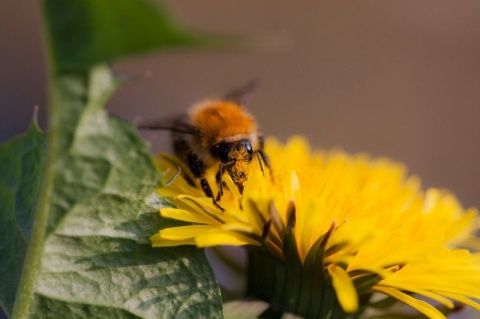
point(176, 124)
point(242, 95)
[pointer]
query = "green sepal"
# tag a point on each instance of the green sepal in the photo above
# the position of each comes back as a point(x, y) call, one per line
point(314, 278)
point(365, 283)
point(292, 263)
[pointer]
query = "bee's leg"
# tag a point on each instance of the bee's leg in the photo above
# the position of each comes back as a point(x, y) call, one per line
point(197, 168)
point(220, 181)
point(257, 153)
point(265, 159)
point(208, 191)
point(262, 156)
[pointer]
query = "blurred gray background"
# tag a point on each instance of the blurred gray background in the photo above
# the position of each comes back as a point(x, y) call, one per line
point(391, 78)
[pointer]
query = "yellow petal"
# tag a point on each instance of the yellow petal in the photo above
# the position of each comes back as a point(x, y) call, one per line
point(184, 232)
point(203, 206)
point(462, 299)
point(346, 293)
point(232, 187)
point(425, 308)
point(426, 293)
point(382, 272)
point(157, 241)
point(224, 238)
point(187, 216)
point(292, 186)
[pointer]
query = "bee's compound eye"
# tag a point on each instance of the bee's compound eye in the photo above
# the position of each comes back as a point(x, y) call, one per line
point(248, 147)
point(223, 151)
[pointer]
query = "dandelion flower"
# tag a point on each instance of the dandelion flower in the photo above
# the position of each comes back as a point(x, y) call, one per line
point(327, 230)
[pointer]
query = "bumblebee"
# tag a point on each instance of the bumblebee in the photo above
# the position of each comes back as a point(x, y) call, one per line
point(217, 132)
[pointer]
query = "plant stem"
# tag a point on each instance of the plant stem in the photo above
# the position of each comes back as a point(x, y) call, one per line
point(25, 297)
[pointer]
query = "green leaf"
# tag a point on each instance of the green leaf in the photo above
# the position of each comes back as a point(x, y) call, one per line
point(20, 174)
point(97, 260)
point(86, 32)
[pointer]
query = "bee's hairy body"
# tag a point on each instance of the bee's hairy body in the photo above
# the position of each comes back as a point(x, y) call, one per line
point(226, 137)
point(216, 133)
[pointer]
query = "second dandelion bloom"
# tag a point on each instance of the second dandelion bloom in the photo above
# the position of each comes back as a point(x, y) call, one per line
point(327, 230)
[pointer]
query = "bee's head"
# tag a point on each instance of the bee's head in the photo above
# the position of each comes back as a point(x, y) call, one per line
point(237, 157)
point(232, 152)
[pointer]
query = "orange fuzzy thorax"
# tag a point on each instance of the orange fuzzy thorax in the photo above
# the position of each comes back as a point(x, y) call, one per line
point(218, 120)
